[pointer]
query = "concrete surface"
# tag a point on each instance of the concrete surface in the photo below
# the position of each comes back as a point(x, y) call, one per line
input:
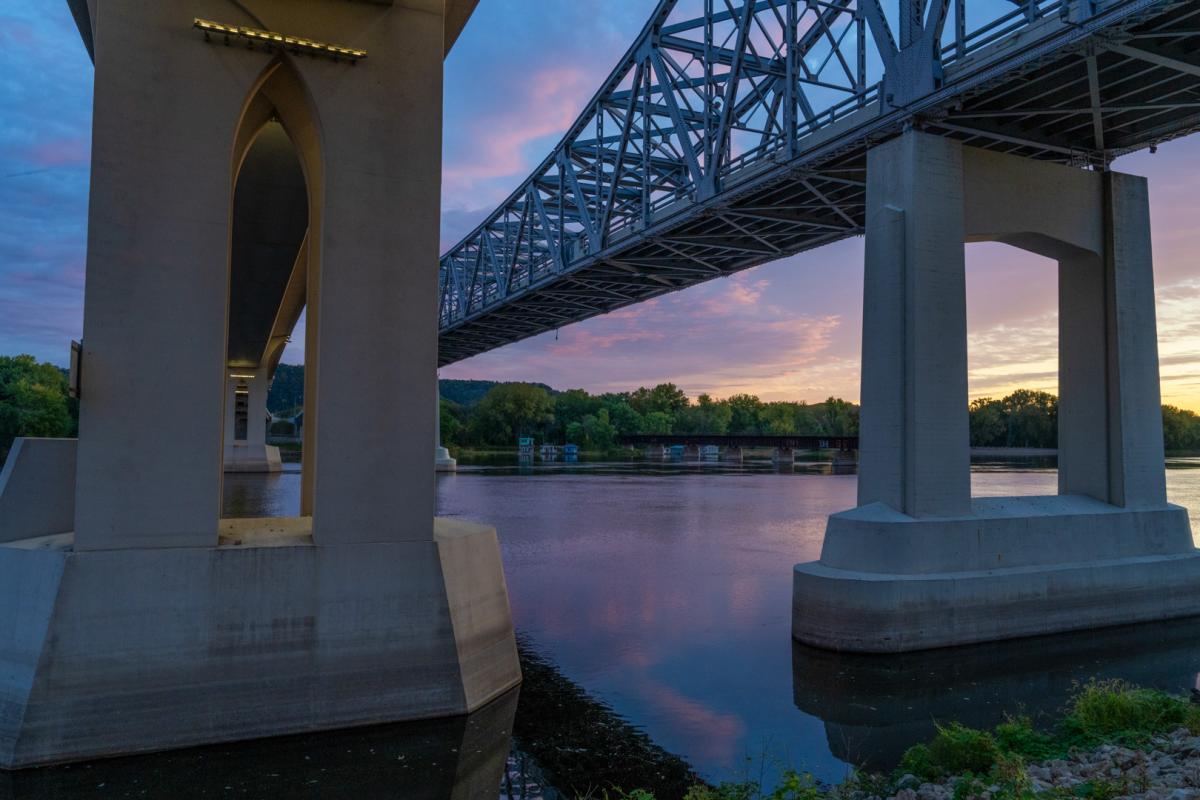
point(123, 651)
point(37, 488)
point(913, 426)
point(369, 140)
point(918, 564)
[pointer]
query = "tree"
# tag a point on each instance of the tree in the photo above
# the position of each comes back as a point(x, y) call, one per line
point(778, 419)
point(511, 410)
point(572, 406)
point(665, 397)
point(837, 417)
point(1032, 419)
point(286, 395)
point(744, 410)
point(657, 422)
point(33, 401)
point(1181, 429)
point(448, 417)
point(989, 423)
point(622, 416)
point(599, 430)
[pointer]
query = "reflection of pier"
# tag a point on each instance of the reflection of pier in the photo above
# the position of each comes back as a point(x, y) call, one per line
point(454, 758)
point(874, 707)
point(729, 447)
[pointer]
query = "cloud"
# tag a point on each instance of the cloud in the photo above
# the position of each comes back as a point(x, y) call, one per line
point(721, 338)
point(514, 82)
point(73, 151)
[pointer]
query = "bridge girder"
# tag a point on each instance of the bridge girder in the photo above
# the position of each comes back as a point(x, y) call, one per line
point(734, 134)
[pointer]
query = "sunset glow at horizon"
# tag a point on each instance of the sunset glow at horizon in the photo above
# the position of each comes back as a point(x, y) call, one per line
point(515, 80)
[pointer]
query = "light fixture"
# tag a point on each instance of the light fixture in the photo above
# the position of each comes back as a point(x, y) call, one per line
point(295, 44)
point(236, 375)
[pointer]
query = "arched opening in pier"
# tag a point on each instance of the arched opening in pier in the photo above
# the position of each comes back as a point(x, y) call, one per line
point(273, 268)
point(1012, 369)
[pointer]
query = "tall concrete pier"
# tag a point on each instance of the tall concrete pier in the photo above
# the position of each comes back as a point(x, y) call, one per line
point(920, 563)
point(145, 621)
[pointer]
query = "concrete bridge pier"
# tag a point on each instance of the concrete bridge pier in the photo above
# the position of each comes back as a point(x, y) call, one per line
point(691, 452)
point(920, 563)
point(246, 448)
point(442, 460)
point(784, 456)
point(146, 621)
point(732, 453)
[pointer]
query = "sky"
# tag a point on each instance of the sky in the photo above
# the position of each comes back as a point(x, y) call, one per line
point(519, 74)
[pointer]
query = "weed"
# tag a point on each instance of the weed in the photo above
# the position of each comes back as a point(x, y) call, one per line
point(1017, 735)
point(957, 748)
point(1115, 711)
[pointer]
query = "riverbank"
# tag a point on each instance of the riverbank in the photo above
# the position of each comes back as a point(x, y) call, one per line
point(1114, 740)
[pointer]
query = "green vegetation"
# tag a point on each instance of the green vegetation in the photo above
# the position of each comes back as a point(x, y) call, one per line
point(1181, 429)
point(594, 422)
point(995, 761)
point(33, 401)
point(286, 396)
point(1024, 418)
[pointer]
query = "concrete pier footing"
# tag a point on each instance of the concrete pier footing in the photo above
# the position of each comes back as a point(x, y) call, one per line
point(245, 457)
point(919, 563)
point(123, 651)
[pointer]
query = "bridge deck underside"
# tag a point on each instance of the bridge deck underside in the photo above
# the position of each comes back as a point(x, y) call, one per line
point(1080, 96)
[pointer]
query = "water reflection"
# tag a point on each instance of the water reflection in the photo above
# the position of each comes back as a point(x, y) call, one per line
point(664, 591)
point(875, 707)
point(464, 758)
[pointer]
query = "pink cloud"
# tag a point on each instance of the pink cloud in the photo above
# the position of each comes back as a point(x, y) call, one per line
point(553, 97)
point(69, 152)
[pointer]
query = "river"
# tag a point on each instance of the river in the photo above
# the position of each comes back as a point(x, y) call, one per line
point(661, 593)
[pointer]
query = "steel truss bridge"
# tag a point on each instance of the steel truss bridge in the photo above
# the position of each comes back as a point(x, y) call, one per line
point(735, 133)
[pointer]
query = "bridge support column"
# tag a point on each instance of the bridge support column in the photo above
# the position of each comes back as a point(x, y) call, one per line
point(914, 454)
point(919, 564)
point(246, 448)
point(442, 461)
point(156, 623)
point(732, 453)
point(784, 455)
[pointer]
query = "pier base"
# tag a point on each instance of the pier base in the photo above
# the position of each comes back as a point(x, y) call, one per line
point(110, 652)
point(1015, 566)
point(243, 457)
point(442, 460)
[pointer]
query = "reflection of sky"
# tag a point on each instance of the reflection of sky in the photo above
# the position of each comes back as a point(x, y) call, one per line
point(670, 598)
point(515, 80)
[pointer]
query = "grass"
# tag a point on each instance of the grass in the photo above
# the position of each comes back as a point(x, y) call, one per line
point(1098, 713)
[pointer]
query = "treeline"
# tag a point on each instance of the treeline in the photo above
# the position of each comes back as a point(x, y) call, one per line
point(1027, 418)
point(33, 401)
point(594, 422)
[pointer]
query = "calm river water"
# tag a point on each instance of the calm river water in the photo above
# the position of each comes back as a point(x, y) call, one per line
point(662, 593)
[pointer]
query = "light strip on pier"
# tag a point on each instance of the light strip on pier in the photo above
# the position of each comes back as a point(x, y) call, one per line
point(296, 44)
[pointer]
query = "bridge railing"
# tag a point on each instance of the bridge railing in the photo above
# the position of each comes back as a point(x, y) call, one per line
point(711, 91)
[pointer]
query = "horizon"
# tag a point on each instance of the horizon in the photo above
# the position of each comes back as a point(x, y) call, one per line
point(787, 330)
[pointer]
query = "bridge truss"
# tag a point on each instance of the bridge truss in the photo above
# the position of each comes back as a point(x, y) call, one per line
point(731, 134)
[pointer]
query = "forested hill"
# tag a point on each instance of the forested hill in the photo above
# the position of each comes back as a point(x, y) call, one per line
point(468, 393)
point(287, 390)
